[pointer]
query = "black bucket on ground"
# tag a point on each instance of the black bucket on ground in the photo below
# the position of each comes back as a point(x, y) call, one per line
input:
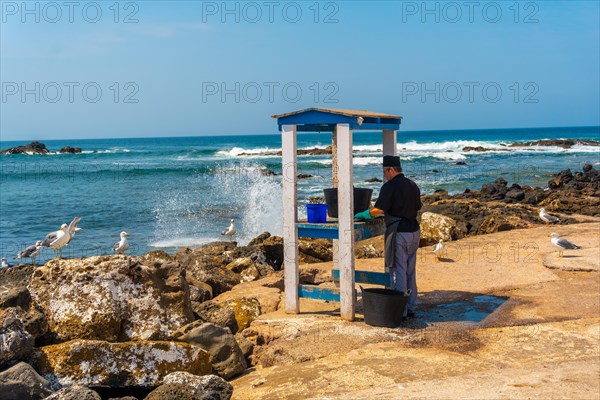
point(362, 200)
point(384, 307)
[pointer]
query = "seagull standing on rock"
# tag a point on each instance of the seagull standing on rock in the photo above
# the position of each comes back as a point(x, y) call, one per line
point(4, 263)
point(122, 246)
point(438, 250)
point(56, 240)
point(230, 231)
point(547, 217)
point(562, 244)
point(31, 252)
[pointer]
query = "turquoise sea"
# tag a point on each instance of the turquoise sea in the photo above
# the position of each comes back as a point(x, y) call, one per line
point(172, 192)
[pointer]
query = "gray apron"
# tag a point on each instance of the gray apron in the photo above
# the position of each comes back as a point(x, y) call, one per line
point(389, 249)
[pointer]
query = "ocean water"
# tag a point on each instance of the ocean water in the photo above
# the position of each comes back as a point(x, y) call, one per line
point(173, 192)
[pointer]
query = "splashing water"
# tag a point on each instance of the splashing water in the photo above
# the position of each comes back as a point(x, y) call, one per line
point(202, 207)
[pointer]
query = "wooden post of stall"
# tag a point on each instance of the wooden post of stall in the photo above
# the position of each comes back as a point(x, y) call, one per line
point(290, 217)
point(334, 184)
point(345, 221)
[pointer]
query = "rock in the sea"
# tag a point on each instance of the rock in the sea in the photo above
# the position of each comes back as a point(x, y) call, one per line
point(373, 180)
point(209, 386)
point(246, 310)
point(113, 298)
point(31, 148)
point(226, 356)
point(437, 226)
point(70, 150)
point(213, 312)
point(75, 392)
point(564, 143)
point(16, 343)
point(98, 363)
point(21, 382)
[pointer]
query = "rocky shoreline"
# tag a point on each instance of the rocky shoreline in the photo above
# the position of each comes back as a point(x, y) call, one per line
point(170, 326)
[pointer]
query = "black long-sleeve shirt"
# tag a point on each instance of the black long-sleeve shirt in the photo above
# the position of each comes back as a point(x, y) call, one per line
point(401, 197)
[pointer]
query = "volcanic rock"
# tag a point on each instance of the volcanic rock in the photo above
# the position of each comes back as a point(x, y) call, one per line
point(226, 356)
point(114, 298)
point(209, 386)
point(16, 343)
point(211, 311)
point(564, 143)
point(70, 150)
point(118, 365)
point(21, 382)
point(31, 148)
point(74, 392)
point(246, 310)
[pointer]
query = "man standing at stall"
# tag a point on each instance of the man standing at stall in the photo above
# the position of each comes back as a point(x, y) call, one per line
point(399, 200)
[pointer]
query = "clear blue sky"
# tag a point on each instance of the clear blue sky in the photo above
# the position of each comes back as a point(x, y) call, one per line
point(440, 67)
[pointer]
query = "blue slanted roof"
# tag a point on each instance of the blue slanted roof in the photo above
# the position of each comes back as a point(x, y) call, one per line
point(325, 119)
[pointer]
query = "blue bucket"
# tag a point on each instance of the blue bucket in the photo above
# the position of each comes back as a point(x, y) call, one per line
point(316, 213)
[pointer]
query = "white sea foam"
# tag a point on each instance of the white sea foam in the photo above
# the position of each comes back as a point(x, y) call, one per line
point(107, 151)
point(361, 161)
point(181, 242)
point(237, 151)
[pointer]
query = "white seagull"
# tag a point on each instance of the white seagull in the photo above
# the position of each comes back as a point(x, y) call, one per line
point(4, 263)
point(230, 231)
point(547, 217)
point(562, 244)
point(56, 240)
point(122, 245)
point(438, 250)
point(31, 252)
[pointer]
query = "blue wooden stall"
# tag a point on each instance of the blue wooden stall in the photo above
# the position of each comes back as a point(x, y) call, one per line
point(344, 231)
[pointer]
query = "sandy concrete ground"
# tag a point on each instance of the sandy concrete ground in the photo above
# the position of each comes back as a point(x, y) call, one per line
point(493, 323)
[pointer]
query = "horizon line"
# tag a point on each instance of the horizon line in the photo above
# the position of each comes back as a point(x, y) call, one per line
point(299, 133)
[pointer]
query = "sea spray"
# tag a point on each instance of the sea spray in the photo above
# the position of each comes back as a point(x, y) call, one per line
point(197, 212)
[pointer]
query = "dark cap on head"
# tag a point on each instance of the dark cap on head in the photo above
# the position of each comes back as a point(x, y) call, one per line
point(391, 161)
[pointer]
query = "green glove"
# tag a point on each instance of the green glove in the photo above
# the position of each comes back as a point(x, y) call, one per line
point(363, 215)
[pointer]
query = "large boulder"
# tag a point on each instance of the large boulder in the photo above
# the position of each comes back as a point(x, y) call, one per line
point(21, 382)
point(213, 312)
point(114, 298)
point(437, 226)
point(268, 291)
point(207, 264)
point(226, 357)
point(16, 343)
point(96, 363)
point(17, 297)
point(74, 392)
point(210, 386)
point(199, 291)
